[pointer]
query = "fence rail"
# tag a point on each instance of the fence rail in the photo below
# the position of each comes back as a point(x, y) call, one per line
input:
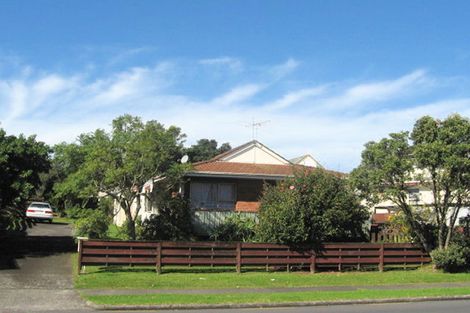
point(244, 255)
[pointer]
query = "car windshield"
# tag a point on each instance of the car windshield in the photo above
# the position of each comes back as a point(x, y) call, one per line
point(40, 205)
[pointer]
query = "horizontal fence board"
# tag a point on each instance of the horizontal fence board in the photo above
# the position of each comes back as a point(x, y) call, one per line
point(276, 261)
point(186, 252)
point(118, 260)
point(177, 244)
point(118, 244)
point(120, 251)
point(406, 252)
point(273, 253)
point(329, 255)
point(201, 261)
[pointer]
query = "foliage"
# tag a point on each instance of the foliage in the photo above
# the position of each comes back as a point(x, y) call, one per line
point(76, 212)
point(117, 164)
point(454, 259)
point(172, 223)
point(235, 228)
point(435, 154)
point(22, 159)
point(94, 225)
point(205, 149)
point(313, 207)
point(65, 192)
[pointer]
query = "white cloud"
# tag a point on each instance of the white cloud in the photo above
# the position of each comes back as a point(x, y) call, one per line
point(281, 70)
point(237, 95)
point(59, 107)
point(381, 91)
point(294, 97)
point(232, 63)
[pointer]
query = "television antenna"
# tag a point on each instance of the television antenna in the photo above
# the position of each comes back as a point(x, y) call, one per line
point(255, 126)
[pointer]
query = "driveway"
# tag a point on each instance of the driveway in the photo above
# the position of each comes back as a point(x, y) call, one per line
point(35, 271)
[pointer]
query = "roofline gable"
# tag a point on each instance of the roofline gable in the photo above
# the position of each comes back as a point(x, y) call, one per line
point(242, 148)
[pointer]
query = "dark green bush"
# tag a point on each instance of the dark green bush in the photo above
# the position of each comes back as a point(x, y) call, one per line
point(77, 212)
point(235, 228)
point(453, 259)
point(94, 225)
point(172, 223)
point(313, 207)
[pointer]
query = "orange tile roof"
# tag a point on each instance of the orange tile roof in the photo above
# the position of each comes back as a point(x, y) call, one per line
point(234, 168)
point(246, 168)
point(381, 218)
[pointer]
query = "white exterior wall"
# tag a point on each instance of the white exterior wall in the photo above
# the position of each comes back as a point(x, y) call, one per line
point(145, 211)
point(425, 199)
point(309, 161)
point(256, 154)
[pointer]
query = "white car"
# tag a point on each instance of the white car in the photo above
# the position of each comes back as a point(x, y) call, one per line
point(39, 211)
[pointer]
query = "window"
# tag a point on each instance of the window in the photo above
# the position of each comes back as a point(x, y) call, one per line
point(213, 195)
point(413, 195)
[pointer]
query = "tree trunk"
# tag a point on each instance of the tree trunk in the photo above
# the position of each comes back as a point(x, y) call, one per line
point(130, 222)
point(441, 235)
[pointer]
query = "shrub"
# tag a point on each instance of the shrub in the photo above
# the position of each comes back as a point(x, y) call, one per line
point(235, 228)
point(172, 223)
point(312, 207)
point(94, 225)
point(453, 259)
point(77, 212)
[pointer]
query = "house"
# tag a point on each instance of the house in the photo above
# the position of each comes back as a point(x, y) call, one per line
point(306, 160)
point(233, 182)
point(229, 183)
point(419, 196)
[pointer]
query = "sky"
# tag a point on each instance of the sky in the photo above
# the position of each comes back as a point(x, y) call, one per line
point(327, 76)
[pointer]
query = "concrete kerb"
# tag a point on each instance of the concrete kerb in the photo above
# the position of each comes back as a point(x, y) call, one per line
point(270, 305)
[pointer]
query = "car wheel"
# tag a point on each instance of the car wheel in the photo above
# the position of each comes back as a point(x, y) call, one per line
point(50, 221)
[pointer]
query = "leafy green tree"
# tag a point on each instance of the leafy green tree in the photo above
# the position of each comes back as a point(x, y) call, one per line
point(117, 164)
point(436, 155)
point(66, 160)
point(206, 149)
point(172, 223)
point(313, 207)
point(22, 159)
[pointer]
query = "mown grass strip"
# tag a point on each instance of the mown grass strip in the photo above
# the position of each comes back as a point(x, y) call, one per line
point(146, 278)
point(363, 294)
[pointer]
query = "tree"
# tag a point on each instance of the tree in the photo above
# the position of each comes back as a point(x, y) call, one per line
point(313, 207)
point(22, 159)
point(67, 159)
point(436, 155)
point(206, 149)
point(117, 164)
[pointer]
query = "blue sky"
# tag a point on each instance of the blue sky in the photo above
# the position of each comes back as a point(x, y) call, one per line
point(328, 75)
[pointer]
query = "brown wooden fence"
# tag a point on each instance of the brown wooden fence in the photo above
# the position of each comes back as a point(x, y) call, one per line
point(337, 256)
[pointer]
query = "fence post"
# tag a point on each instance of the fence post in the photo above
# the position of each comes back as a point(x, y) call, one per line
point(159, 258)
point(313, 261)
point(80, 248)
point(381, 258)
point(239, 257)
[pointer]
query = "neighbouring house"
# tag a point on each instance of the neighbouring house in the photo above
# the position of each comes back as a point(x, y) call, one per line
point(419, 196)
point(229, 183)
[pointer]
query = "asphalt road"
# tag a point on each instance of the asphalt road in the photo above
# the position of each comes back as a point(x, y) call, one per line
point(419, 307)
point(36, 272)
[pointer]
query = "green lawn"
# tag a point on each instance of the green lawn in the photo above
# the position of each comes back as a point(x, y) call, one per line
point(167, 299)
point(62, 220)
point(146, 278)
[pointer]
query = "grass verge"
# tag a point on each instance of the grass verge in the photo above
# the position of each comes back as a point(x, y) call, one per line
point(171, 299)
point(146, 278)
